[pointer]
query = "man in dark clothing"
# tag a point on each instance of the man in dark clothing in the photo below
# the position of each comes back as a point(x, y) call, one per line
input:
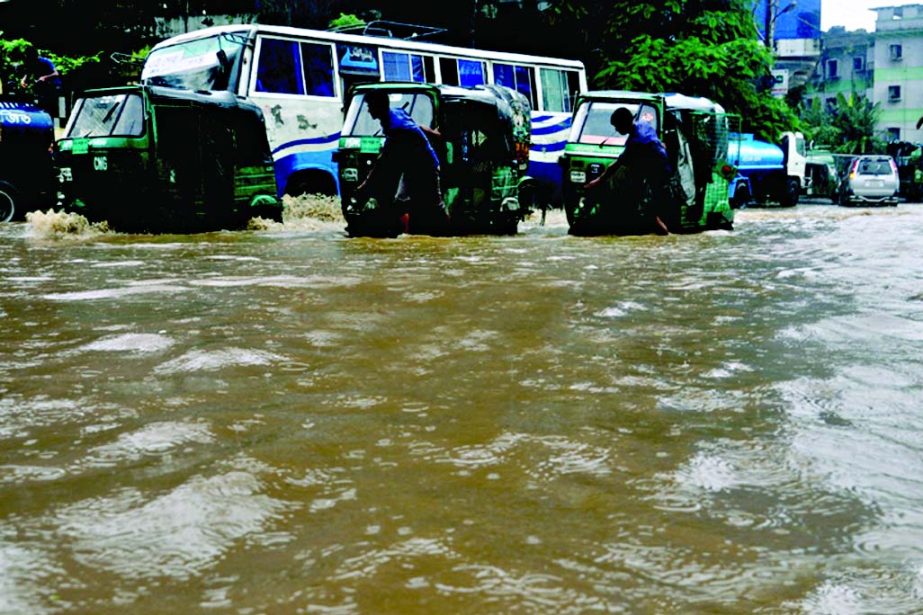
point(43, 79)
point(644, 159)
point(407, 164)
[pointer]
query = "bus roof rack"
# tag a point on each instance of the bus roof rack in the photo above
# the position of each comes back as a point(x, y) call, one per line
point(390, 29)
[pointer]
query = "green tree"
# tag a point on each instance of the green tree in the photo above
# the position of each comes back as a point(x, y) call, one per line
point(817, 125)
point(345, 21)
point(846, 127)
point(702, 48)
point(856, 117)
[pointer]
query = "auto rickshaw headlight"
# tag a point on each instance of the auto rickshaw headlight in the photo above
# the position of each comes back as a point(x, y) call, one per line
point(578, 177)
point(350, 174)
point(65, 175)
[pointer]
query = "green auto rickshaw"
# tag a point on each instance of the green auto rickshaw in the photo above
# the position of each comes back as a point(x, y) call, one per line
point(481, 136)
point(695, 133)
point(160, 159)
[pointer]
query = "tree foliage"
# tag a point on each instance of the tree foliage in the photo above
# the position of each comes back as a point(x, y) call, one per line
point(701, 48)
point(846, 127)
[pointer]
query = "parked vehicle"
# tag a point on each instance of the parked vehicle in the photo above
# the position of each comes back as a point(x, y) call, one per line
point(483, 151)
point(871, 180)
point(695, 132)
point(27, 173)
point(821, 176)
point(768, 173)
point(909, 160)
point(162, 159)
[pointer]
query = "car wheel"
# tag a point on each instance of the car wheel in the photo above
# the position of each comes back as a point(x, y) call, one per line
point(8, 198)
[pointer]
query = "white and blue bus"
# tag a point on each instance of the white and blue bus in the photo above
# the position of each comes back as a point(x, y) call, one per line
point(300, 79)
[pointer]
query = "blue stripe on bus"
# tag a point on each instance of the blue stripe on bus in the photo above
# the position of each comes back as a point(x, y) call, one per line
point(548, 147)
point(311, 141)
point(553, 128)
point(541, 118)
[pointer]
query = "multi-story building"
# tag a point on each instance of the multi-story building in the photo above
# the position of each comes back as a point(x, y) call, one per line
point(846, 65)
point(885, 66)
point(898, 71)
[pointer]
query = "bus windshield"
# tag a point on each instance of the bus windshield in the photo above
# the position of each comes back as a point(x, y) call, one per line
point(360, 124)
point(201, 64)
point(120, 115)
point(592, 126)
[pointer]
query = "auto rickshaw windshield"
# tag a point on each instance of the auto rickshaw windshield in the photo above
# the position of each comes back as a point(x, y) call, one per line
point(107, 116)
point(360, 124)
point(592, 125)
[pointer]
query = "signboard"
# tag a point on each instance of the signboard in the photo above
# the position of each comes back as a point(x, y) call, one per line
point(358, 59)
point(779, 83)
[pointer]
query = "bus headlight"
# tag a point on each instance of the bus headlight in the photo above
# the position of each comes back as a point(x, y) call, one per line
point(578, 177)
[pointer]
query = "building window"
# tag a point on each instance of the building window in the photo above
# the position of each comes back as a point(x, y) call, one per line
point(894, 92)
point(833, 69)
point(858, 64)
point(894, 134)
point(897, 51)
point(898, 13)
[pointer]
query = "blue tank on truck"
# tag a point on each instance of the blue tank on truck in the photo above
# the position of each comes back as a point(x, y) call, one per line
point(28, 179)
point(767, 173)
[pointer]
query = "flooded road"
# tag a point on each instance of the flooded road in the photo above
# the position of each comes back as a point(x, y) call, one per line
point(292, 421)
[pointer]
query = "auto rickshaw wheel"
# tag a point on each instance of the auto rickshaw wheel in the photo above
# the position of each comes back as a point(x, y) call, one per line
point(8, 198)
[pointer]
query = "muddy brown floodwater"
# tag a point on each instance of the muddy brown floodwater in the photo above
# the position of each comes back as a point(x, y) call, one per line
point(287, 420)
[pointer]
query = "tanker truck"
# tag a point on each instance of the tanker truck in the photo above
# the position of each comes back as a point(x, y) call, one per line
point(28, 179)
point(767, 173)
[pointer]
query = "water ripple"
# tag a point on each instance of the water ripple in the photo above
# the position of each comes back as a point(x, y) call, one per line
point(174, 535)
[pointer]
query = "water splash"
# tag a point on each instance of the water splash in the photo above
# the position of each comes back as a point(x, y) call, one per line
point(310, 212)
point(53, 224)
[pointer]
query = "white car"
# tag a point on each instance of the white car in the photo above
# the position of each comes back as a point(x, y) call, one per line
point(871, 180)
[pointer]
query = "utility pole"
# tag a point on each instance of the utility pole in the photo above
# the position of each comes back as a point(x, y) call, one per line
point(771, 9)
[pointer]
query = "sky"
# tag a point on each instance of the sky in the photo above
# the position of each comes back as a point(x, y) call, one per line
point(853, 14)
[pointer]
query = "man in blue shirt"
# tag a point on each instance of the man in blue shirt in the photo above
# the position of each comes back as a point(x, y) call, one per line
point(644, 159)
point(407, 165)
point(43, 79)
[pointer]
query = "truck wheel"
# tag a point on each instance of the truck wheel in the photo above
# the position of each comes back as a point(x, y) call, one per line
point(790, 194)
point(8, 199)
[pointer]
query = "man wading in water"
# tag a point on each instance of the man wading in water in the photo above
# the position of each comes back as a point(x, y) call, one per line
point(405, 178)
point(644, 160)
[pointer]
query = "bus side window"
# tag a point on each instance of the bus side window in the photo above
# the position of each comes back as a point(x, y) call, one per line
point(449, 68)
point(559, 89)
point(471, 73)
point(396, 67)
point(519, 78)
point(279, 71)
point(318, 69)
